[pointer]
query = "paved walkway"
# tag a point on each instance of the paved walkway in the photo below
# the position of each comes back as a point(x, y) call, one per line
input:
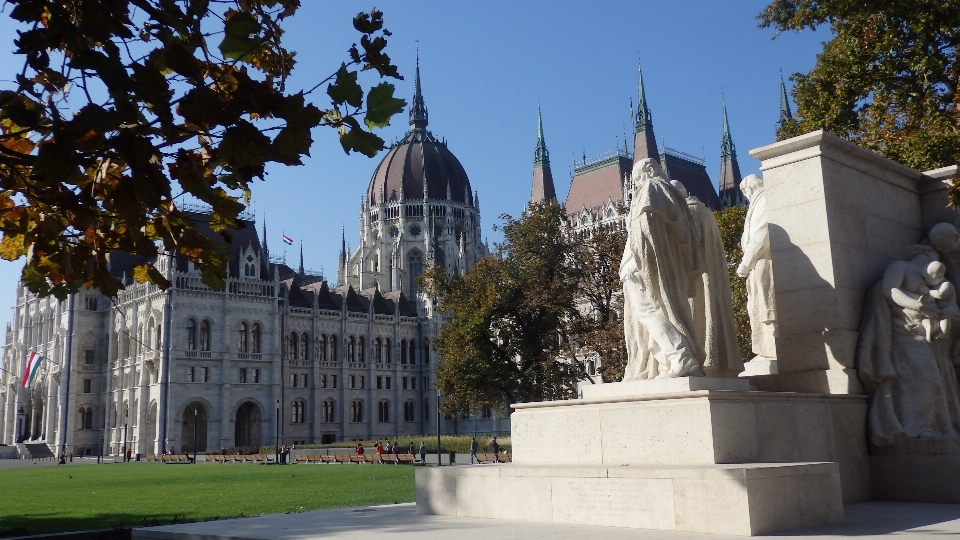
point(865, 521)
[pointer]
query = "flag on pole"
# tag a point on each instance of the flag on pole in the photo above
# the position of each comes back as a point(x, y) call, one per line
point(33, 367)
point(287, 240)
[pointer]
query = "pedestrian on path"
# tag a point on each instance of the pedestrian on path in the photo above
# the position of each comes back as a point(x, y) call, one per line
point(473, 450)
point(423, 452)
point(495, 447)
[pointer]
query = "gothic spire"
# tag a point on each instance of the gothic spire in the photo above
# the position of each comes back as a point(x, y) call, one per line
point(643, 119)
point(644, 141)
point(301, 256)
point(543, 188)
point(785, 114)
point(343, 247)
point(727, 150)
point(540, 155)
point(418, 110)
point(730, 194)
point(266, 250)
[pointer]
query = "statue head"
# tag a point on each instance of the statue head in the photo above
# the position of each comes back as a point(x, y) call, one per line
point(646, 169)
point(934, 272)
point(681, 189)
point(751, 185)
point(945, 237)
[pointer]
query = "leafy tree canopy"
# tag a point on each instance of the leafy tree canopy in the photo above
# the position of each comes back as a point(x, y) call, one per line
point(121, 107)
point(508, 331)
point(887, 80)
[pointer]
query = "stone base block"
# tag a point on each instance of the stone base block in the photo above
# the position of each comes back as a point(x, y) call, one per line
point(759, 366)
point(661, 386)
point(749, 499)
point(699, 428)
point(922, 470)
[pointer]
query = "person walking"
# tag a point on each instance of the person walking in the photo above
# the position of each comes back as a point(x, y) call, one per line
point(63, 458)
point(423, 452)
point(396, 447)
point(473, 450)
point(411, 448)
point(359, 449)
point(495, 447)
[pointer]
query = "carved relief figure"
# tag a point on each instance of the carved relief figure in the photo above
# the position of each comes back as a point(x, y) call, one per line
point(659, 269)
point(757, 268)
point(912, 380)
point(710, 300)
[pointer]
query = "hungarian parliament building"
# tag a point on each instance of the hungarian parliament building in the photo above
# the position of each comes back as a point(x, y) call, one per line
point(280, 355)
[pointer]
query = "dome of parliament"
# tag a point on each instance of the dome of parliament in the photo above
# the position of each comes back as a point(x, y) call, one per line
point(419, 166)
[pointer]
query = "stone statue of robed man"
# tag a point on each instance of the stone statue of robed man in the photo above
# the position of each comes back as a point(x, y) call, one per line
point(660, 268)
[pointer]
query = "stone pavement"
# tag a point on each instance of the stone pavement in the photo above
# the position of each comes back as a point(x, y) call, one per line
point(908, 521)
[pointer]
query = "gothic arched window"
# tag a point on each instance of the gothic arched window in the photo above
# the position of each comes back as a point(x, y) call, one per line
point(205, 336)
point(244, 338)
point(191, 335)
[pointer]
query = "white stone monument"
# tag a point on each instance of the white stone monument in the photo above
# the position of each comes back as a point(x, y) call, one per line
point(757, 268)
point(707, 454)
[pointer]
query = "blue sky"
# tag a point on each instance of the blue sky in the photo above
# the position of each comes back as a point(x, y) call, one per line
point(484, 66)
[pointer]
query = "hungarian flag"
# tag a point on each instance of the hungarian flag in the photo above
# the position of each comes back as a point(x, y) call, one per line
point(33, 367)
point(287, 240)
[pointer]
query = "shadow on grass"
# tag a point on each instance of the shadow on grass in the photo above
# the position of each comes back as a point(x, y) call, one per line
point(118, 525)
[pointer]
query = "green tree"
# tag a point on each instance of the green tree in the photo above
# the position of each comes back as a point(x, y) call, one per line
point(599, 329)
point(508, 334)
point(731, 221)
point(887, 80)
point(123, 106)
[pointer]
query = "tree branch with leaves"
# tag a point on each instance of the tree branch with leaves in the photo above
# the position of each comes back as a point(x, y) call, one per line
point(123, 107)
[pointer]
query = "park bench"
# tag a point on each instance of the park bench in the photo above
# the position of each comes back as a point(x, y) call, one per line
point(260, 458)
point(406, 459)
point(389, 458)
point(356, 459)
point(301, 459)
point(328, 459)
point(313, 458)
point(343, 458)
point(372, 458)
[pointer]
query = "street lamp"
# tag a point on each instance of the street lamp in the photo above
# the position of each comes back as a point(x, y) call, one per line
point(195, 435)
point(276, 458)
point(439, 461)
point(123, 449)
point(20, 416)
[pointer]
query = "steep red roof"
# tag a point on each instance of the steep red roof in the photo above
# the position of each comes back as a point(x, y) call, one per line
point(594, 184)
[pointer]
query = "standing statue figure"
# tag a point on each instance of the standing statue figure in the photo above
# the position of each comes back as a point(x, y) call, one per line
point(757, 268)
point(659, 270)
point(710, 302)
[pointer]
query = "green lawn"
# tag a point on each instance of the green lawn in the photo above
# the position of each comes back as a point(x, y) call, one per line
point(55, 499)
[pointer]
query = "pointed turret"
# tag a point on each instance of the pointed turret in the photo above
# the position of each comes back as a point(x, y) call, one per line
point(644, 141)
point(785, 114)
point(266, 250)
point(729, 168)
point(301, 257)
point(418, 110)
point(342, 266)
point(543, 189)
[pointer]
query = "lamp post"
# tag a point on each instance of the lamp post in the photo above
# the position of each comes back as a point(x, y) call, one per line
point(439, 461)
point(20, 416)
point(123, 449)
point(194, 435)
point(276, 457)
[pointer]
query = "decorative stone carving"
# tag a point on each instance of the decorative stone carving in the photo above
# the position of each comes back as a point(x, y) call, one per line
point(907, 370)
point(710, 302)
point(659, 270)
point(756, 267)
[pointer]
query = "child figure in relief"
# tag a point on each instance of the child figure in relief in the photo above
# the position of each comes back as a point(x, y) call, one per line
point(940, 293)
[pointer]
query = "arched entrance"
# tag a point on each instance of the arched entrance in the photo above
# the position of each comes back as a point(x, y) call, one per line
point(151, 445)
point(198, 411)
point(248, 425)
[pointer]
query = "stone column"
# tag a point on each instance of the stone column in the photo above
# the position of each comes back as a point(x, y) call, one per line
point(50, 412)
point(10, 416)
point(838, 215)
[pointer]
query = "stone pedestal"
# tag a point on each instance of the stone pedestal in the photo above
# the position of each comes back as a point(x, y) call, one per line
point(656, 454)
point(721, 499)
point(919, 470)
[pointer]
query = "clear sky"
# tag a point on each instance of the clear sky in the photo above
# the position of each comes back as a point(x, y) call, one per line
point(484, 67)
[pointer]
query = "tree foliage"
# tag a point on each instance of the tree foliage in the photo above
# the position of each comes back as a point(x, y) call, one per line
point(887, 80)
point(123, 106)
point(508, 332)
point(731, 221)
point(599, 328)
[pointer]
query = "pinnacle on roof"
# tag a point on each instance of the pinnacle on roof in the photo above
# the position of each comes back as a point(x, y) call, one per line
point(785, 114)
point(727, 149)
point(301, 256)
point(643, 120)
point(343, 247)
point(418, 110)
point(540, 155)
point(266, 251)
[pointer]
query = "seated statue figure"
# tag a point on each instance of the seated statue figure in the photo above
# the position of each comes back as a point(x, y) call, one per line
point(911, 379)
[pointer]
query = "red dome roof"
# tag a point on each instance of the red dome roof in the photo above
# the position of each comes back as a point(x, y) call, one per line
point(420, 158)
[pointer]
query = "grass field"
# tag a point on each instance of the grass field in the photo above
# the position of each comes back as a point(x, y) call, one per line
point(55, 499)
